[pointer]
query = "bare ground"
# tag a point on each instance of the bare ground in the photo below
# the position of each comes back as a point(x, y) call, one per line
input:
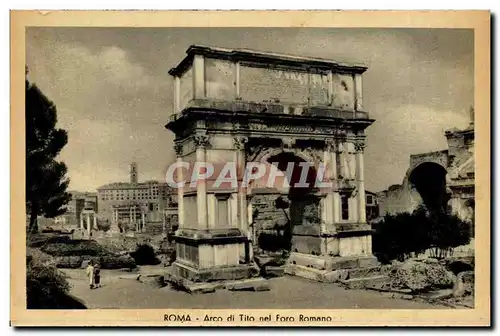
point(286, 293)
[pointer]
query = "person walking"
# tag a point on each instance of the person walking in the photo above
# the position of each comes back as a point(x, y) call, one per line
point(90, 274)
point(97, 275)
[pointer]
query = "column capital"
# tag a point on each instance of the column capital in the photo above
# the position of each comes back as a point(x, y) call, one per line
point(178, 149)
point(331, 145)
point(240, 141)
point(201, 140)
point(359, 146)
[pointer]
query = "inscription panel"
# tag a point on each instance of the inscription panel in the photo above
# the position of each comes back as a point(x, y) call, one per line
point(294, 87)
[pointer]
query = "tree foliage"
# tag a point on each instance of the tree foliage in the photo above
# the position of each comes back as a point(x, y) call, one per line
point(407, 234)
point(46, 181)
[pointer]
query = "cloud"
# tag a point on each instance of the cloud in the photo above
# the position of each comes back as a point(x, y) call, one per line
point(110, 106)
point(114, 95)
point(403, 131)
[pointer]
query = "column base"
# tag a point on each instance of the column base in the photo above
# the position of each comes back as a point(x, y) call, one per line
point(190, 273)
point(332, 269)
point(338, 240)
point(337, 253)
point(327, 263)
point(213, 255)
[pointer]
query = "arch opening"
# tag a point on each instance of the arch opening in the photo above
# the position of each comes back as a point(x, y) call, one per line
point(296, 201)
point(429, 179)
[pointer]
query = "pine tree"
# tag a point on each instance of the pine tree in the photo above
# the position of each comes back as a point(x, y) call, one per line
point(46, 180)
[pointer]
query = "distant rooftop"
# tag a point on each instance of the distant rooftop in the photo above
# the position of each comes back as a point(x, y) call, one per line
point(128, 185)
point(261, 57)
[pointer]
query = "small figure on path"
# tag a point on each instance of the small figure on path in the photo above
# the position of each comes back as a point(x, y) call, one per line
point(97, 275)
point(90, 274)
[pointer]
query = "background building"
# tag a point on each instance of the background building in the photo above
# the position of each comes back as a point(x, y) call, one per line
point(372, 207)
point(442, 179)
point(132, 205)
point(79, 201)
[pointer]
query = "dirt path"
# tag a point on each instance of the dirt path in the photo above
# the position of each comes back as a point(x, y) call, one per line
point(286, 293)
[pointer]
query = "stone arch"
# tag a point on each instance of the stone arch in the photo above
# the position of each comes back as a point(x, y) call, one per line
point(428, 178)
point(265, 154)
point(303, 205)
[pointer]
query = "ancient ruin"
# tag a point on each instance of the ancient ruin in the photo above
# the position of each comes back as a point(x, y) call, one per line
point(245, 106)
point(442, 180)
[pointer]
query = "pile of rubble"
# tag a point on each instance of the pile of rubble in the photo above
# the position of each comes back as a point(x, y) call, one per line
point(448, 281)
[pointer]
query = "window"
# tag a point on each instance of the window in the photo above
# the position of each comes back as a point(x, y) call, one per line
point(369, 199)
point(344, 204)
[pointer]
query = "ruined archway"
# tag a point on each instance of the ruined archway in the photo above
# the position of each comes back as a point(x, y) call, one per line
point(274, 108)
point(429, 179)
point(294, 199)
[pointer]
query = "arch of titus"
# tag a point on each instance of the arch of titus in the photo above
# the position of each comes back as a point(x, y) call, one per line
point(246, 106)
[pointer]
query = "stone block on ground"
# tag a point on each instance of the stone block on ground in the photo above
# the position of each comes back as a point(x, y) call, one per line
point(336, 276)
point(437, 295)
point(130, 277)
point(361, 283)
point(262, 288)
point(157, 281)
point(256, 285)
point(310, 273)
point(366, 262)
point(431, 261)
point(464, 284)
point(274, 271)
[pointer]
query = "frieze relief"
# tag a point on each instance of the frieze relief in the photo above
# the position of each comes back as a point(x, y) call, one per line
point(282, 128)
point(340, 133)
point(315, 154)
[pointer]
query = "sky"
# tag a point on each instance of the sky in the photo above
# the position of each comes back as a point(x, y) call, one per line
point(113, 93)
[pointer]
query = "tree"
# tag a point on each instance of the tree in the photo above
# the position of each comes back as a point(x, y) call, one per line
point(46, 181)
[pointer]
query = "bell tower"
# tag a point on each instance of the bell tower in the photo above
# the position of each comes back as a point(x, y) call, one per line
point(133, 173)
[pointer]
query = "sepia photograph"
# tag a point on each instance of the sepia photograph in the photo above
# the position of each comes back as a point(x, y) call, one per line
point(207, 172)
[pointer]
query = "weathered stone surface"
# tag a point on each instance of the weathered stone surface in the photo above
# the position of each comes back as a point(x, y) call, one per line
point(255, 285)
point(336, 276)
point(208, 290)
point(369, 261)
point(306, 244)
point(262, 288)
point(215, 274)
point(157, 281)
point(364, 272)
point(464, 285)
point(274, 271)
point(437, 294)
point(308, 260)
point(360, 283)
point(431, 261)
point(262, 261)
point(305, 272)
